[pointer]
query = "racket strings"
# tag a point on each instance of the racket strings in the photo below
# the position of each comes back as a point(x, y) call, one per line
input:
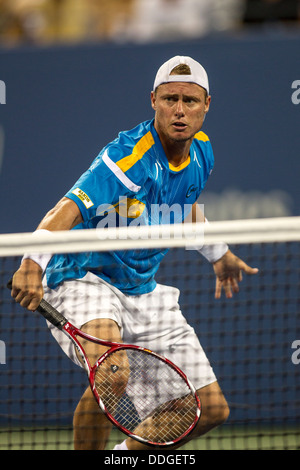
point(111, 379)
point(145, 395)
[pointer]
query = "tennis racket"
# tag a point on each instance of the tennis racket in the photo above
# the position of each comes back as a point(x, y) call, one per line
point(142, 393)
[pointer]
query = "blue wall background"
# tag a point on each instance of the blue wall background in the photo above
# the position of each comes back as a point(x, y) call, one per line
point(63, 105)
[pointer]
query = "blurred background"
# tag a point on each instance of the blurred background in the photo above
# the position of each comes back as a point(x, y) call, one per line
point(73, 21)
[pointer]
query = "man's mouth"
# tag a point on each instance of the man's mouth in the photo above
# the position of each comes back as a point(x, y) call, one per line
point(180, 126)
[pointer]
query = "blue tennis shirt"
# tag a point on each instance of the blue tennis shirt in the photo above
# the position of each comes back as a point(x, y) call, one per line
point(131, 182)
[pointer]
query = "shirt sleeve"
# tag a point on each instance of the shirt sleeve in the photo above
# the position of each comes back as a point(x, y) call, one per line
point(104, 183)
point(205, 157)
point(210, 159)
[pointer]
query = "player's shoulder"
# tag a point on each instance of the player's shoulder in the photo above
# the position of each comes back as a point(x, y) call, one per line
point(131, 146)
point(202, 143)
point(203, 149)
point(125, 156)
point(201, 137)
point(127, 149)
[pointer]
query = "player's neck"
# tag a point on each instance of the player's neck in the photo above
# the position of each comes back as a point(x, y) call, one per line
point(177, 152)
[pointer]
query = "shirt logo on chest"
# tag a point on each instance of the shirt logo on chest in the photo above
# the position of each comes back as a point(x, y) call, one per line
point(191, 190)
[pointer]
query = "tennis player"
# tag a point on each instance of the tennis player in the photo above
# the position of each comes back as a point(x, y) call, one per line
point(162, 163)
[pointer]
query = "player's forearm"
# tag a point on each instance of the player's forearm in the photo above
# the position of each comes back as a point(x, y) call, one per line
point(197, 214)
point(64, 216)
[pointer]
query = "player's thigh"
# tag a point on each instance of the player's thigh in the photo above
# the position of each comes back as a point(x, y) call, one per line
point(113, 374)
point(102, 328)
point(214, 405)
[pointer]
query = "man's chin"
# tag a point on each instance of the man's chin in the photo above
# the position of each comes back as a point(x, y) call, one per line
point(181, 137)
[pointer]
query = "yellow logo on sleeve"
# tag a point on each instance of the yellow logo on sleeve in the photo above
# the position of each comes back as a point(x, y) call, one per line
point(130, 208)
point(83, 197)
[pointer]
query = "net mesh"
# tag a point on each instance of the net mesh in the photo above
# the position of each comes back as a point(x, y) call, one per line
point(252, 340)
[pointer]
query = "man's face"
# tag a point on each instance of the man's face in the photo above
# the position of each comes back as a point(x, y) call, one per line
point(180, 110)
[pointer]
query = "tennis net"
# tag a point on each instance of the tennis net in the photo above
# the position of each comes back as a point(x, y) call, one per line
point(252, 340)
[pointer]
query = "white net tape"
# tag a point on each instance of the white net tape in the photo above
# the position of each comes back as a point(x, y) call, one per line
point(269, 230)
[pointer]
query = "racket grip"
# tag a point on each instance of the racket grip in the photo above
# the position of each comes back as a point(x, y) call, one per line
point(49, 313)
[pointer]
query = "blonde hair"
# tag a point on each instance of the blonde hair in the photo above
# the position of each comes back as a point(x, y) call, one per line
point(181, 69)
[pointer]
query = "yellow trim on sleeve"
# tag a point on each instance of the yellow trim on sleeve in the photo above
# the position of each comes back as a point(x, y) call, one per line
point(139, 150)
point(201, 136)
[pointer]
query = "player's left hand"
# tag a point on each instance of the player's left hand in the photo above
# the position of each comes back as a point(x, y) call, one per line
point(229, 272)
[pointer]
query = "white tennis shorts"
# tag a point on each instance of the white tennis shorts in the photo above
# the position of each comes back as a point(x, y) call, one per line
point(152, 320)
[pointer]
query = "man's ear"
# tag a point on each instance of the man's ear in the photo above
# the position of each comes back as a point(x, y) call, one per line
point(207, 104)
point(153, 100)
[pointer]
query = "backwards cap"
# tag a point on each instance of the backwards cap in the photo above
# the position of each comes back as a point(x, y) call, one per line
point(198, 76)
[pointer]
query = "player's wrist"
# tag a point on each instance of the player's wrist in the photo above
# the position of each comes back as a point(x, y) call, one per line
point(215, 252)
point(41, 259)
point(29, 265)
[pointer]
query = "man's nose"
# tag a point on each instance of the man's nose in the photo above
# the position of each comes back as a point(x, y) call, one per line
point(179, 108)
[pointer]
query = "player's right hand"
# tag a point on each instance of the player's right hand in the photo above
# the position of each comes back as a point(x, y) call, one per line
point(27, 288)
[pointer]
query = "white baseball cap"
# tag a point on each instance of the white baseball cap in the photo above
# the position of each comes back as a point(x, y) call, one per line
point(198, 76)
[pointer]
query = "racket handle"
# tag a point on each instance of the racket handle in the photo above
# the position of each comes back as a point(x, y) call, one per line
point(49, 313)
